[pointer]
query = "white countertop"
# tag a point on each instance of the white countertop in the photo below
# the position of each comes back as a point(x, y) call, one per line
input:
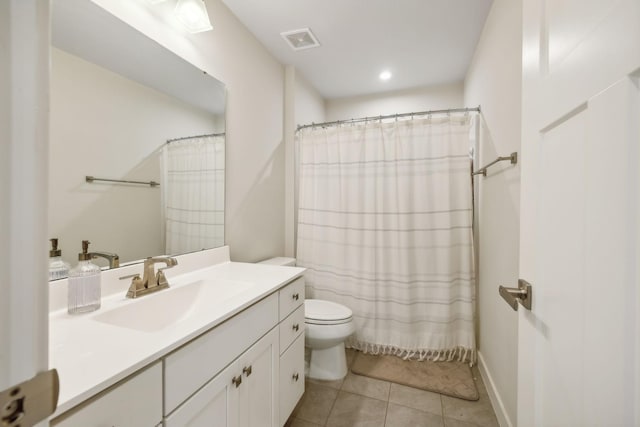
point(90, 355)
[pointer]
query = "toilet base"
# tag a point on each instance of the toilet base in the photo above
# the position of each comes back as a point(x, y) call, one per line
point(328, 363)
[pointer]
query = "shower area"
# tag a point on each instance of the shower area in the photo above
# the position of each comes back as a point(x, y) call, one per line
point(192, 198)
point(385, 210)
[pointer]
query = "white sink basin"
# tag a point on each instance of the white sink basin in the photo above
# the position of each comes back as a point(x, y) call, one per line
point(154, 312)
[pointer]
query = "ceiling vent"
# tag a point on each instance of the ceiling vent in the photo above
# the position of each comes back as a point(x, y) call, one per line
point(300, 39)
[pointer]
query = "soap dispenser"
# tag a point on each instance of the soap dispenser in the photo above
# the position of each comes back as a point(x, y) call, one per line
point(83, 294)
point(58, 269)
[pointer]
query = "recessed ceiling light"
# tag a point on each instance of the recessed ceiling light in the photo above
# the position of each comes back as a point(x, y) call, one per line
point(385, 75)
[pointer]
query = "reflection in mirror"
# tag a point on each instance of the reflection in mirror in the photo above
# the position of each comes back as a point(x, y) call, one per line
point(125, 108)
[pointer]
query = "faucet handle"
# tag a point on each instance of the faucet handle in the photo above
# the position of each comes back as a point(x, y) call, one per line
point(170, 262)
point(136, 286)
point(161, 279)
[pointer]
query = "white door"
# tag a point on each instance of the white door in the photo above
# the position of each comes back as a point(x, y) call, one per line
point(24, 133)
point(579, 346)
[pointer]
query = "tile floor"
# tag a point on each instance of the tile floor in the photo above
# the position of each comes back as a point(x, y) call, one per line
point(359, 401)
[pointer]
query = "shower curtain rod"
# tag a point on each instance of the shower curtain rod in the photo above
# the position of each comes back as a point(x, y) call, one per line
point(194, 136)
point(391, 116)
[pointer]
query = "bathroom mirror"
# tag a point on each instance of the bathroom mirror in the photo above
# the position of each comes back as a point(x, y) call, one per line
point(117, 98)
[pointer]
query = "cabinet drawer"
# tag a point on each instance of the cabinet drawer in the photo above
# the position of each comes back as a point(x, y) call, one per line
point(190, 367)
point(291, 328)
point(291, 297)
point(291, 378)
point(135, 402)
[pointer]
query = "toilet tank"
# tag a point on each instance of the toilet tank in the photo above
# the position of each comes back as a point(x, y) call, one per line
point(284, 261)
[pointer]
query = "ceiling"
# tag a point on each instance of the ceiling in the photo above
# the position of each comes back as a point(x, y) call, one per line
point(422, 42)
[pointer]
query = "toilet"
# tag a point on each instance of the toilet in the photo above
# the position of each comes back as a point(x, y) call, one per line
point(327, 326)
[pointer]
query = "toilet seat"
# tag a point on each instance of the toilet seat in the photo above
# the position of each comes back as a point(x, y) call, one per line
point(320, 312)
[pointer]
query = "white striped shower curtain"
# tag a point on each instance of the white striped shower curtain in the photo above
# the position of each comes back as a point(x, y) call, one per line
point(385, 228)
point(193, 193)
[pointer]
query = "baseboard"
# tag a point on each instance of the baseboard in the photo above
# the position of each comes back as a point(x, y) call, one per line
point(494, 395)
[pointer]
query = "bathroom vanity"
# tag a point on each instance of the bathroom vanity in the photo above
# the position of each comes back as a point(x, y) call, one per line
point(224, 346)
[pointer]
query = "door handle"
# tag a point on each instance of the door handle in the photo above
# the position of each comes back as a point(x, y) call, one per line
point(523, 294)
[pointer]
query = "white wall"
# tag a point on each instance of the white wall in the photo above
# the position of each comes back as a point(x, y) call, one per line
point(303, 104)
point(405, 101)
point(107, 126)
point(309, 105)
point(255, 97)
point(494, 82)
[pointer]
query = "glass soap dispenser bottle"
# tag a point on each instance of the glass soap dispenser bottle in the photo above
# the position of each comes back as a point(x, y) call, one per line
point(58, 269)
point(83, 293)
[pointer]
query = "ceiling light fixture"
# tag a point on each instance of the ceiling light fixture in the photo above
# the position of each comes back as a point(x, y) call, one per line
point(193, 15)
point(385, 75)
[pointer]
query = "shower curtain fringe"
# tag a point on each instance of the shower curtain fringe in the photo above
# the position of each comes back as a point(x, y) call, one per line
point(459, 354)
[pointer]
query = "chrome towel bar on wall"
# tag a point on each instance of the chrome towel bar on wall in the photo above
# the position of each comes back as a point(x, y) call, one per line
point(513, 158)
point(149, 183)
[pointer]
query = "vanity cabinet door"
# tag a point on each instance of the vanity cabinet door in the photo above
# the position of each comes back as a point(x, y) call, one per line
point(259, 366)
point(214, 405)
point(242, 395)
point(291, 378)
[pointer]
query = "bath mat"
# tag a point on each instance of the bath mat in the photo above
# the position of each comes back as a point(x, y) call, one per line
point(451, 378)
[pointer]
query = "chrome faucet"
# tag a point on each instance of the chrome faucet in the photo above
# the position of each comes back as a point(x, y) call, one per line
point(114, 259)
point(151, 280)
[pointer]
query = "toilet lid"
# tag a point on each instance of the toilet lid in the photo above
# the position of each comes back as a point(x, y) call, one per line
point(316, 311)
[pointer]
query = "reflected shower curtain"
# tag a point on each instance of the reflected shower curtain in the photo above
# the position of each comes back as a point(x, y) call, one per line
point(193, 193)
point(385, 228)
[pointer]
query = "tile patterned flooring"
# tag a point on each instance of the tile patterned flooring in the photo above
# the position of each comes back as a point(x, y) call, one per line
point(359, 401)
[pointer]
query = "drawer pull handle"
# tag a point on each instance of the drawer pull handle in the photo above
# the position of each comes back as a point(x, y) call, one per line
point(237, 381)
point(247, 370)
point(296, 296)
point(296, 327)
point(295, 376)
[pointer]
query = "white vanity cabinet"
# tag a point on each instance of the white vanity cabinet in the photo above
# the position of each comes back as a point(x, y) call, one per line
point(291, 381)
point(246, 371)
point(206, 382)
point(135, 402)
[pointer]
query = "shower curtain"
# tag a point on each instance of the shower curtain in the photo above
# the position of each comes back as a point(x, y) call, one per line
point(193, 193)
point(385, 228)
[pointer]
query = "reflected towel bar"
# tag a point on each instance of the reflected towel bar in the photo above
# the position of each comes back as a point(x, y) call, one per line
point(513, 158)
point(149, 183)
